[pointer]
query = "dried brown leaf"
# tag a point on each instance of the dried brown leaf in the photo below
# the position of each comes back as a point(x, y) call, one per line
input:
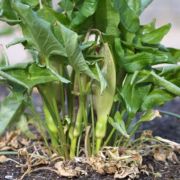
point(175, 146)
point(172, 157)
point(160, 154)
point(3, 159)
point(68, 171)
point(12, 141)
point(131, 172)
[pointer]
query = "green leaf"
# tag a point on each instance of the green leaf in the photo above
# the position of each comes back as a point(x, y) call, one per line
point(134, 5)
point(87, 9)
point(155, 36)
point(30, 75)
point(168, 69)
point(107, 18)
point(133, 94)
point(3, 57)
point(40, 31)
point(144, 60)
point(103, 101)
point(155, 98)
point(67, 6)
point(149, 116)
point(129, 17)
point(56, 40)
point(175, 53)
point(137, 62)
point(118, 124)
point(147, 28)
point(144, 4)
point(16, 41)
point(10, 110)
point(7, 10)
point(102, 81)
point(146, 117)
point(172, 88)
point(48, 14)
point(32, 3)
point(69, 39)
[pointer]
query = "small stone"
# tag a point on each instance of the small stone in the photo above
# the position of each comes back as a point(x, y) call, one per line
point(9, 177)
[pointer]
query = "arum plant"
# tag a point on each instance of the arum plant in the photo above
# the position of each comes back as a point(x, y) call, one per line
point(95, 67)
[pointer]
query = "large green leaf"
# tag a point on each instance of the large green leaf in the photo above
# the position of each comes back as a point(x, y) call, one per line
point(87, 9)
point(69, 39)
point(169, 86)
point(40, 31)
point(144, 60)
point(107, 18)
point(30, 75)
point(159, 81)
point(138, 5)
point(155, 36)
point(67, 6)
point(133, 94)
point(155, 98)
point(172, 73)
point(137, 62)
point(53, 40)
point(52, 16)
point(10, 110)
point(129, 17)
point(7, 10)
point(144, 4)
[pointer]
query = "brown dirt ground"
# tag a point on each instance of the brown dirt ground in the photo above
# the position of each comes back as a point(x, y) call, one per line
point(168, 171)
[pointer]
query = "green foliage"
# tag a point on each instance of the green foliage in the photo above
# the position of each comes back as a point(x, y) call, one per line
point(11, 109)
point(94, 66)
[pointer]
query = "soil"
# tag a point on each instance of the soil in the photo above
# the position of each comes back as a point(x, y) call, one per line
point(160, 127)
point(168, 171)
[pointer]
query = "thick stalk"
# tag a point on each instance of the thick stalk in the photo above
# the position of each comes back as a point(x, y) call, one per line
point(93, 126)
point(52, 116)
point(100, 131)
point(81, 116)
point(76, 132)
point(52, 128)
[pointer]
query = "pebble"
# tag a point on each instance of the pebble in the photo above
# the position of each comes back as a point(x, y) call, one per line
point(9, 177)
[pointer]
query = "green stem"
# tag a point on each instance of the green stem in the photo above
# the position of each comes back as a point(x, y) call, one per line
point(73, 147)
point(93, 126)
point(53, 118)
point(52, 128)
point(129, 120)
point(8, 153)
point(100, 131)
point(170, 113)
point(109, 137)
point(78, 146)
point(98, 144)
point(81, 115)
point(62, 94)
point(166, 84)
